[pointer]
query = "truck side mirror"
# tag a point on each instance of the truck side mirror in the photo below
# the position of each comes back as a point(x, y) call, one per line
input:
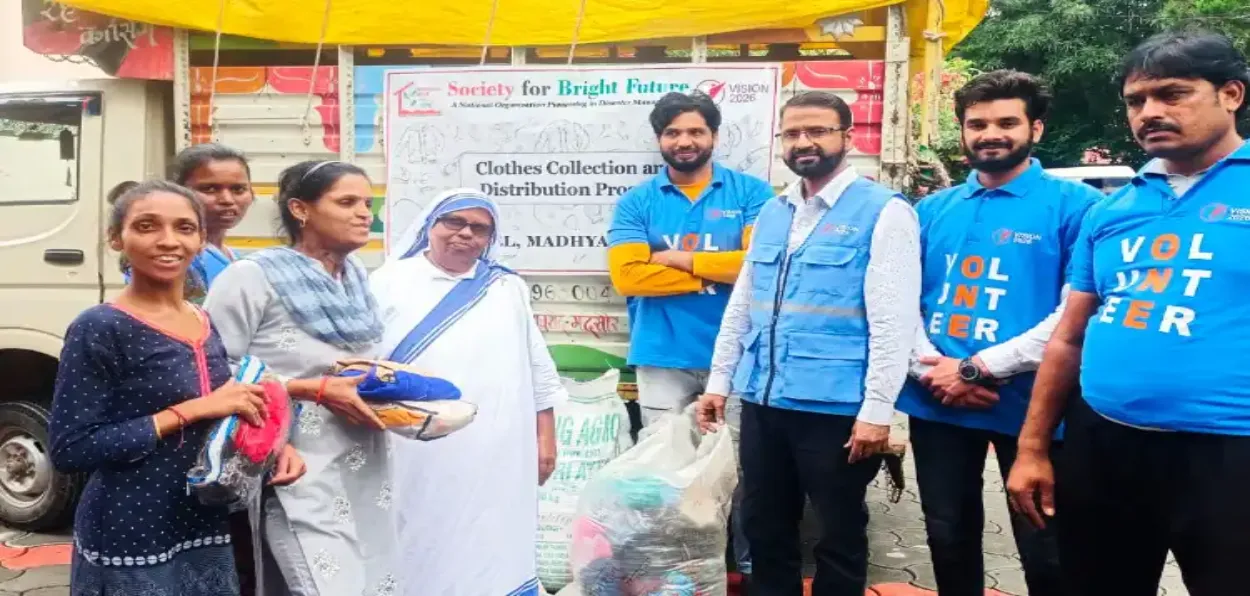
point(67, 145)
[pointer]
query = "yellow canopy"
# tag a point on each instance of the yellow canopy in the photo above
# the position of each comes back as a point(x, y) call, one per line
point(517, 22)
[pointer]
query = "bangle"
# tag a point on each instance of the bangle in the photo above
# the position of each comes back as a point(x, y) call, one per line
point(321, 391)
point(182, 424)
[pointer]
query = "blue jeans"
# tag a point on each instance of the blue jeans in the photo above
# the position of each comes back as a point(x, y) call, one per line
point(950, 466)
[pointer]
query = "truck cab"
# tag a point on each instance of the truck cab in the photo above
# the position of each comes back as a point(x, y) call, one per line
point(54, 174)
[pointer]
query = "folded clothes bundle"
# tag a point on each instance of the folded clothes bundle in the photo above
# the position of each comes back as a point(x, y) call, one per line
point(411, 404)
point(231, 467)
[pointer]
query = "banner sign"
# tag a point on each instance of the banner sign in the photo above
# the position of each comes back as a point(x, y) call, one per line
point(556, 146)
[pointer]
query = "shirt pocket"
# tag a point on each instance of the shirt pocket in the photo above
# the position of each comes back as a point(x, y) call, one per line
point(746, 375)
point(765, 262)
point(824, 367)
point(827, 269)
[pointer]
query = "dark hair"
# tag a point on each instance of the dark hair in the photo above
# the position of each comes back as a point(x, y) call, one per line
point(120, 190)
point(1188, 55)
point(192, 158)
point(126, 199)
point(308, 181)
point(1005, 84)
point(821, 99)
point(674, 104)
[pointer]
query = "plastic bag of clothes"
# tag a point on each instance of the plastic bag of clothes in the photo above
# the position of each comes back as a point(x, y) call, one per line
point(411, 404)
point(231, 467)
point(652, 522)
point(592, 429)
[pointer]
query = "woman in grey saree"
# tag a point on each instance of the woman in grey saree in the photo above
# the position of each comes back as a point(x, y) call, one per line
point(299, 309)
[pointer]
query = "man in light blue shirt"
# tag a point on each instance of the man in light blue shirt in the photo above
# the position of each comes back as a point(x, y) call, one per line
point(1157, 446)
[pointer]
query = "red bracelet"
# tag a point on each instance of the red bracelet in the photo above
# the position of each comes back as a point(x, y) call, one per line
point(321, 390)
point(182, 424)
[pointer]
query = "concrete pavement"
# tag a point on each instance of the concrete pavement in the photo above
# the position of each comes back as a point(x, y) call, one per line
point(37, 564)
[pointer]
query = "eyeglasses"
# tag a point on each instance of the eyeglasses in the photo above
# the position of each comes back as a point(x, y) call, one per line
point(456, 224)
point(814, 133)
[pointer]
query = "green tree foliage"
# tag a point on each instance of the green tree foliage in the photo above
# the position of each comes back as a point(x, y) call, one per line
point(1077, 45)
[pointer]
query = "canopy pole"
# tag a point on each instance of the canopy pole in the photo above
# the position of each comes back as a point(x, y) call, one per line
point(577, 31)
point(490, 28)
point(312, 79)
point(933, 57)
point(183, 88)
point(896, 126)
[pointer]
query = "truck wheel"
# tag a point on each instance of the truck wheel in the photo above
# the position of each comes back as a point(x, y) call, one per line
point(33, 495)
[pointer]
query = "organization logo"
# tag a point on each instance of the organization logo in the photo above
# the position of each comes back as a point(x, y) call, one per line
point(1213, 212)
point(1004, 236)
point(713, 89)
point(717, 213)
point(414, 100)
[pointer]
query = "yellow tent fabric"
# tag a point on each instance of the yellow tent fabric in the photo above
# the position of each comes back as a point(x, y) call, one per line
point(516, 22)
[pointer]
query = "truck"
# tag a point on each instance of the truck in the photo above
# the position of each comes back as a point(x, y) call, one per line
point(64, 146)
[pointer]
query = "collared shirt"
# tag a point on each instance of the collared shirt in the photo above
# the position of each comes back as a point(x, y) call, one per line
point(893, 274)
point(1180, 183)
point(674, 315)
point(1166, 348)
point(995, 265)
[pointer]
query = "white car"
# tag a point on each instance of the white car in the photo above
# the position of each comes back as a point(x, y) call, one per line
point(1108, 179)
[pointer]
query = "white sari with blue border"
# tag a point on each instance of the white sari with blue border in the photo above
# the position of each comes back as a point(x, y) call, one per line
point(467, 504)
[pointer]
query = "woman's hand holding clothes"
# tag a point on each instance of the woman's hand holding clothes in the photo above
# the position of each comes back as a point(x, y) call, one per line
point(339, 395)
point(246, 400)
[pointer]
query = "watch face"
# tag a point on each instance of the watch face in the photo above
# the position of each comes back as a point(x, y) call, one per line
point(969, 371)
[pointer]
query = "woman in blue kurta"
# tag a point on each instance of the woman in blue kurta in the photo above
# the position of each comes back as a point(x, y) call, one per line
point(221, 177)
point(140, 381)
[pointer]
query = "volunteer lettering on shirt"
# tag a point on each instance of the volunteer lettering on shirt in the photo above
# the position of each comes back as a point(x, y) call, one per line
point(1172, 275)
point(995, 265)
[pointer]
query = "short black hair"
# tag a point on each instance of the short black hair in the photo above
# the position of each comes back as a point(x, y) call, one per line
point(308, 181)
point(821, 99)
point(1005, 84)
point(674, 104)
point(1193, 54)
point(190, 159)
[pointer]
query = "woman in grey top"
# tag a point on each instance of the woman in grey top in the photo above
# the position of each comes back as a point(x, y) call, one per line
point(299, 309)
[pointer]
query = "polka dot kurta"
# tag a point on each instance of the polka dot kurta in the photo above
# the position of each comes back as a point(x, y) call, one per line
point(136, 515)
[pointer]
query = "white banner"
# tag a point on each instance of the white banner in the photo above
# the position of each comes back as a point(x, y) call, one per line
point(556, 146)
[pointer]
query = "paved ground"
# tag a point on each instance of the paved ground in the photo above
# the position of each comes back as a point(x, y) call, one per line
point(37, 564)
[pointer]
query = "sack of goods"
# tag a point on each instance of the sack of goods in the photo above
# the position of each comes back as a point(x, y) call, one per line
point(231, 467)
point(411, 404)
point(592, 429)
point(653, 521)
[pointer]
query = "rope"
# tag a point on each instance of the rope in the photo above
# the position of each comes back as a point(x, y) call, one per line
point(490, 27)
point(577, 30)
point(212, 87)
point(312, 79)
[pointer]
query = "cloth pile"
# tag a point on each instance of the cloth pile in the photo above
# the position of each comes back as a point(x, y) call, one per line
point(231, 467)
point(411, 404)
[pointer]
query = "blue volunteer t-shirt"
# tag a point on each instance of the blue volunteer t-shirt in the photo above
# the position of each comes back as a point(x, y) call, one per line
point(1167, 348)
point(679, 331)
point(994, 265)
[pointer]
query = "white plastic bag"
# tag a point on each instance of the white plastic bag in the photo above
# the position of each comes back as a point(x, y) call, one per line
point(592, 428)
point(653, 521)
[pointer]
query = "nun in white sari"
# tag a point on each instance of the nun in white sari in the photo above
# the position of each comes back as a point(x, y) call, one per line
point(467, 504)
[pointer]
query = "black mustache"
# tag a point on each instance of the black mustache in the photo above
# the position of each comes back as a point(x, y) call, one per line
point(1157, 126)
point(991, 145)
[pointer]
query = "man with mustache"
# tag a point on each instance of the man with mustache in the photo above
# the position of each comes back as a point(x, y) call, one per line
point(816, 340)
point(995, 254)
point(1157, 442)
point(676, 245)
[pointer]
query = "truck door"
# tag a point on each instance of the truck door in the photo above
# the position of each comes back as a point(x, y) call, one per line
point(50, 214)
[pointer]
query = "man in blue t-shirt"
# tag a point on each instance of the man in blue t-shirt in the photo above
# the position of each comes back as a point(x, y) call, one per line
point(1157, 446)
point(676, 245)
point(995, 254)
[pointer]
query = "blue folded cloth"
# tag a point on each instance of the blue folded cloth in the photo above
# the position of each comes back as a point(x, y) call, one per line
point(392, 384)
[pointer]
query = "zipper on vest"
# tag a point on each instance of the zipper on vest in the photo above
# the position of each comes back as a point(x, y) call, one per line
point(772, 328)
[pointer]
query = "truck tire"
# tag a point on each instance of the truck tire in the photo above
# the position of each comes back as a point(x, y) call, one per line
point(33, 495)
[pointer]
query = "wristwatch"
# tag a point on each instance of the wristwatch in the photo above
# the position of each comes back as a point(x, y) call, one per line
point(970, 373)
